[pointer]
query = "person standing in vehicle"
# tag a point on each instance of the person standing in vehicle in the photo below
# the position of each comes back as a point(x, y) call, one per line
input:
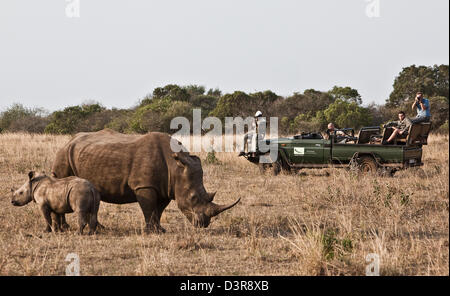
point(422, 106)
point(256, 133)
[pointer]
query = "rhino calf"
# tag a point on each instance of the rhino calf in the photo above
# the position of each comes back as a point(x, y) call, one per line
point(56, 197)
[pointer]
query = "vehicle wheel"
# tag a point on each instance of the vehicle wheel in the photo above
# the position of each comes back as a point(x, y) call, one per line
point(276, 168)
point(367, 165)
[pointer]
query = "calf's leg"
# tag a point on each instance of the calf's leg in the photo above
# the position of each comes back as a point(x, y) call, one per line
point(83, 218)
point(46, 212)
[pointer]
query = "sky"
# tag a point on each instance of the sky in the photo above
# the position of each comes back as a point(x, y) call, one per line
point(53, 55)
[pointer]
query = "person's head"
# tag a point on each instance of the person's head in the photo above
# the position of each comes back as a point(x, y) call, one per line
point(419, 95)
point(401, 115)
point(331, 126)
point(258, 114)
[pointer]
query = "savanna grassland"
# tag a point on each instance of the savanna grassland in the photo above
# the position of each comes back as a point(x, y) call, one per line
point(318, 222)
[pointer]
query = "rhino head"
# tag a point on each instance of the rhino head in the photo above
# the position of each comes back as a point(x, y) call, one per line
point(190, 194)
point(24, 194)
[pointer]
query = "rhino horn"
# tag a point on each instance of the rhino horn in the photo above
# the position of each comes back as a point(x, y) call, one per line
point(216, 209)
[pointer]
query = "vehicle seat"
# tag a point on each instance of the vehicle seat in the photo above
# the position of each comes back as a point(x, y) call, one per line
point(366, 133)
point(418, 133)
point(387, 132)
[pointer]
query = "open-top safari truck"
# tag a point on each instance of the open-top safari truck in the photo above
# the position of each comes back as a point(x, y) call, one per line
point(366, 152)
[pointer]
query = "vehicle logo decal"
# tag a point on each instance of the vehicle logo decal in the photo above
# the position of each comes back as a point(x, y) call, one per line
point(299, 151)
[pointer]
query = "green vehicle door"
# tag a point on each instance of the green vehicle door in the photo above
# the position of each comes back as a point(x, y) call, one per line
point(304, 151)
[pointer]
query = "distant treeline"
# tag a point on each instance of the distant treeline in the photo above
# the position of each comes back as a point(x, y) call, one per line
point(307, 111)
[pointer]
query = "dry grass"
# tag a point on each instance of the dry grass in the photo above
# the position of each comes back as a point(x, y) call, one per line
point(319, 222)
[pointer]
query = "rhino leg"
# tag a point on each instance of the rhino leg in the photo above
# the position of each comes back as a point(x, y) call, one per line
point(56, 222)
point(48, 217)
point(149, 202)
point(64, 224)
point(83, 219)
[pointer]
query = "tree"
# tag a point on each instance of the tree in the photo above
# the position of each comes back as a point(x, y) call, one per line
point(264, 101)
point(310, 101)
point(439, 111)
point(158, 115)
point(19, 118)
point(236, 104)
point(432, 81)
point(345, 114)
point(195, 90)
point(173, 92)
point(68, 120)
point(346, 94)
point(206, 103)
point(214, 92)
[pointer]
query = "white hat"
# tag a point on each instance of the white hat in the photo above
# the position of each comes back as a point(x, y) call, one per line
point(258, 113)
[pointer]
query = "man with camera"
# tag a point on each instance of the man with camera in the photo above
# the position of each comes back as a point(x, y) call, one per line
point(422, 106)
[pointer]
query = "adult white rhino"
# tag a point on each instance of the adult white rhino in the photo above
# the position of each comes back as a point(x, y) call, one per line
point(140, 168)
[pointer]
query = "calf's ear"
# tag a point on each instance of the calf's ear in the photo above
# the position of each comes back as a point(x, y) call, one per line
point(31, 174)
point(53, 175)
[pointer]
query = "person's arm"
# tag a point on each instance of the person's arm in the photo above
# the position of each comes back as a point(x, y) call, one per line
point(422, 105)
point(414, 105)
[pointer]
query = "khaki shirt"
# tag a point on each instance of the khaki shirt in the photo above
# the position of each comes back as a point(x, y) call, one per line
point(403, 125)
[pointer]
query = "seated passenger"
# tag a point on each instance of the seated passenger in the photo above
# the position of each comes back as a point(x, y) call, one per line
point(401, 127)
point(331, 131)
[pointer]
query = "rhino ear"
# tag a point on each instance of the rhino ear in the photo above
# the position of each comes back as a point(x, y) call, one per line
point(31, 175)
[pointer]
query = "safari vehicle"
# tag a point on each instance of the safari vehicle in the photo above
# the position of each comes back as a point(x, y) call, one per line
point(366, 152)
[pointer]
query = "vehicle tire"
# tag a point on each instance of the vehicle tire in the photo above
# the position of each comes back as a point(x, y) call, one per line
point(367, 165)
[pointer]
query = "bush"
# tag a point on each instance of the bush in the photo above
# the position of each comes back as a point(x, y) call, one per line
point(30, 124)
point(443, 129)
point(70, 120)
point(19, 118)
point(158, 115)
